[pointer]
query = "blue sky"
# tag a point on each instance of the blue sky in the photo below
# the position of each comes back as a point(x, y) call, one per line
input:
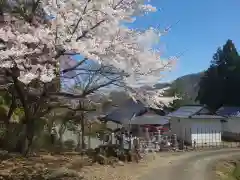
point(203, 27)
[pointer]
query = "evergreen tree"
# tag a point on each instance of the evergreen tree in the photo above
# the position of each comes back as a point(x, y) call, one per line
point(220, 83)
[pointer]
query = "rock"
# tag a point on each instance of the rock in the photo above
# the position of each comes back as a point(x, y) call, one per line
point(64, 173)
point(179, 150)
point(120, 163)
point(150, 150)
point(4, 155)
point(3, 152)
point(101, 159)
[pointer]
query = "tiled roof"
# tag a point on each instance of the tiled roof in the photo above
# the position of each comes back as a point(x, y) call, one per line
point(150, 119)
point(186, 111)
point(124, 113)
point(207, 117)
point(229, 111)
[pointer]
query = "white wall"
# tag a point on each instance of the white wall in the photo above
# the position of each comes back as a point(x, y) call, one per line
point(181, 127)
point(204, 131)
point(174, 125)
point(232, 125)
point(92, 142)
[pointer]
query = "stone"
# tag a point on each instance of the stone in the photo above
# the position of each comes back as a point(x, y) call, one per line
point(120, 163)
point(62, 173)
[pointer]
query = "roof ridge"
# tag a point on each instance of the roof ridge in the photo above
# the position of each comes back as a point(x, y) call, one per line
point(193, 105)
point(195, 113)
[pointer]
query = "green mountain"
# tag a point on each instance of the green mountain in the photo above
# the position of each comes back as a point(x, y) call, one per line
point(187, 87)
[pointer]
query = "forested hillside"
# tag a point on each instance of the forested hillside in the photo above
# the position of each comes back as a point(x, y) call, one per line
point(185, 86)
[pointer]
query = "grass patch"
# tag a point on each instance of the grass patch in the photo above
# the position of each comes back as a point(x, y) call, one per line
point(224, 170)
point(236, 171)
point(228, 170)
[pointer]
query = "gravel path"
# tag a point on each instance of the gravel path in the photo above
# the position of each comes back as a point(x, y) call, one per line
point(189, 165)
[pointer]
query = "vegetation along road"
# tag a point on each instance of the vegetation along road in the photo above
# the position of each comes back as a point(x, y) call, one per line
point(190, 165)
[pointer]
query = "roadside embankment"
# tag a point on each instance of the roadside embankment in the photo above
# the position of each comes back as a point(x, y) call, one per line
point(228, 169)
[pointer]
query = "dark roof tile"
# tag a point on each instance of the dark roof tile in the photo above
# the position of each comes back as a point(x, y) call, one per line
point(124, 113)
point(229, 111)
point(185, 111)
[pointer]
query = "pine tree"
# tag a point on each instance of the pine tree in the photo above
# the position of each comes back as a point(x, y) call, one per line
point(220, 83)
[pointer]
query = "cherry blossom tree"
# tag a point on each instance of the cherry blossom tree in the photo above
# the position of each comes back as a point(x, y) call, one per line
point(36, 34)
point(95, 29)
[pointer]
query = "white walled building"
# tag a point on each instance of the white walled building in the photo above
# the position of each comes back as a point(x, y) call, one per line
point(196, 123)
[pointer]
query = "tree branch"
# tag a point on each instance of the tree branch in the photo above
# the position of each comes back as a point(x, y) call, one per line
point(85, 93)
point(75, 66)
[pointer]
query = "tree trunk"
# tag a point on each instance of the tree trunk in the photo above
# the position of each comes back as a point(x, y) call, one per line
point(83, 133)
point(6, 120)
point(28, 141)
point(25, 138)
point(5, 141)
point(61, 132)
point(78, 140)
point(89, 136)
point(22, 136)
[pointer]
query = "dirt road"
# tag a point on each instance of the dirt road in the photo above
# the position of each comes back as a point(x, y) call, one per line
point(189, 165)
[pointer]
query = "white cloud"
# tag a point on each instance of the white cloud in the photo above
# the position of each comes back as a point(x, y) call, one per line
point(149, 38)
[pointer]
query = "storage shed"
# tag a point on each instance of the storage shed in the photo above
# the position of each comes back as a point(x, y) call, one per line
point(196, 123)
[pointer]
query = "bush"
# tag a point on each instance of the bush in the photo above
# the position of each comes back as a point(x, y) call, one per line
point(14, 133)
